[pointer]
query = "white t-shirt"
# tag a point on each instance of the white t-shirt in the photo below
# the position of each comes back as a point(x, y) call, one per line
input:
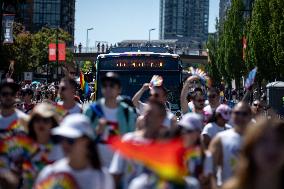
point(167, 121)
point(231, 144)
point(106, 153)
point(211, 129)
point(88, 178)
point(5, 122)
point(128, 168)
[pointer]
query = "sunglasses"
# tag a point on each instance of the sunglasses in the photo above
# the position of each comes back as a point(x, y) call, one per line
point(42, 119)
point(6, 94)
point(155, 95)
point(110, 85)
point(63, 88)
point(72, 73)
point(200, 100)
point(257, 105)
point(212, 96)
point(240, 113)
point(61, 139)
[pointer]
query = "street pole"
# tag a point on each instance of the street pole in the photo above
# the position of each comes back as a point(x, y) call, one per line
point(1, 17)
point(152, 29)
point(87, 40)
point(57, 64)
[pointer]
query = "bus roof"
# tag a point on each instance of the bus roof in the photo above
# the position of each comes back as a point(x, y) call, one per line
point(138, 54)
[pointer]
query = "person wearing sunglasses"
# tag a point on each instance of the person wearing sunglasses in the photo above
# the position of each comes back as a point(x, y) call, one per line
point(42, 119)
point(226, 145)
point(257, 108)
point(109, 115)
point(218, 123)
point(67, 91)
point(158, 93)
point(8, 113)
point(213, 95)
point(81, 162)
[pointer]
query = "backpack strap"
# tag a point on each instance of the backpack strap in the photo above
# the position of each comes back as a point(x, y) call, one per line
point(96, 111)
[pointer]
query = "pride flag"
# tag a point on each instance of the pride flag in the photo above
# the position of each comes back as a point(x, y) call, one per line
point(165, 158)
point(84, 85)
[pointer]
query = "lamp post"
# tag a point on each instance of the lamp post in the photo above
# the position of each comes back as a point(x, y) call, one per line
point(152, 29)
point(87, 40)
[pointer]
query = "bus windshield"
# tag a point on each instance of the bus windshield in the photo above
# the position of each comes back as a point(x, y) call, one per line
point(137, 70)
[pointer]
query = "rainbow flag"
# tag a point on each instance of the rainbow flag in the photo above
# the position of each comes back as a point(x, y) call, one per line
point(58, 180)
point(165, 158)
point(14, 125)
point(18, 145)
point(84, 85)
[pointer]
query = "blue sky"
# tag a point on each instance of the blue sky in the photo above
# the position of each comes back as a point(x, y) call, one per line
point(117, 20)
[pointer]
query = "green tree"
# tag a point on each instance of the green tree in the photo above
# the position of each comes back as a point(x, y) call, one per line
point(231, 42)
point(259, 41)
point(276, 32)
point(211, 67)
point(19, 51)
point(41, 41)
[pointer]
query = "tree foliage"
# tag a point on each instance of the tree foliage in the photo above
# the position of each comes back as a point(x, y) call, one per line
point(31, 50)
point(266, 39)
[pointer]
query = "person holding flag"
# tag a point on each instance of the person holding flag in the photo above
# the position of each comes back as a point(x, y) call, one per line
point(159, 92)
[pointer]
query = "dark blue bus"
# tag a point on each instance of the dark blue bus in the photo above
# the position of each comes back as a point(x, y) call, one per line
point(137, 68)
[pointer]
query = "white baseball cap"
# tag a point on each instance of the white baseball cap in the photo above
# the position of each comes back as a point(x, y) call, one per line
point(191, 121)
point(74, 126)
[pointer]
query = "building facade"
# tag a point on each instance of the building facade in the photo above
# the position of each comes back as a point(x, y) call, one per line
point(187, 19)
point(35, 14)
point(226, 4)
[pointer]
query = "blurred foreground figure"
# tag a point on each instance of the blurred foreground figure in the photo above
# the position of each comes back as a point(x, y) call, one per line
point(261, 163)
point(81, 167)
point(225, 147)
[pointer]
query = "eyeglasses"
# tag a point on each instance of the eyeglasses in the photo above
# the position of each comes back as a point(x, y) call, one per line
point(72, 73)
point(110, 85)
point(61, 139)
point(5, 94)
point(241, 113)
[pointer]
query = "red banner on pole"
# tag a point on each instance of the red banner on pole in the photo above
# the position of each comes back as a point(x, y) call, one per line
point(244, 47)
point(52, 52)
point(61, 52)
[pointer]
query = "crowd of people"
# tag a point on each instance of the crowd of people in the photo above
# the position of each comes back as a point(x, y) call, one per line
point(56, 142)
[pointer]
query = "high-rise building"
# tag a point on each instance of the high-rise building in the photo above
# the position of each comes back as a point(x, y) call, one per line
point(35, 14)
point(187, 19)
point(226, 4)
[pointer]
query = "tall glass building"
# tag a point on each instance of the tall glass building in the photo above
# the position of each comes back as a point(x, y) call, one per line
point(35, 14)
point(187, 19)
point(54, 13)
